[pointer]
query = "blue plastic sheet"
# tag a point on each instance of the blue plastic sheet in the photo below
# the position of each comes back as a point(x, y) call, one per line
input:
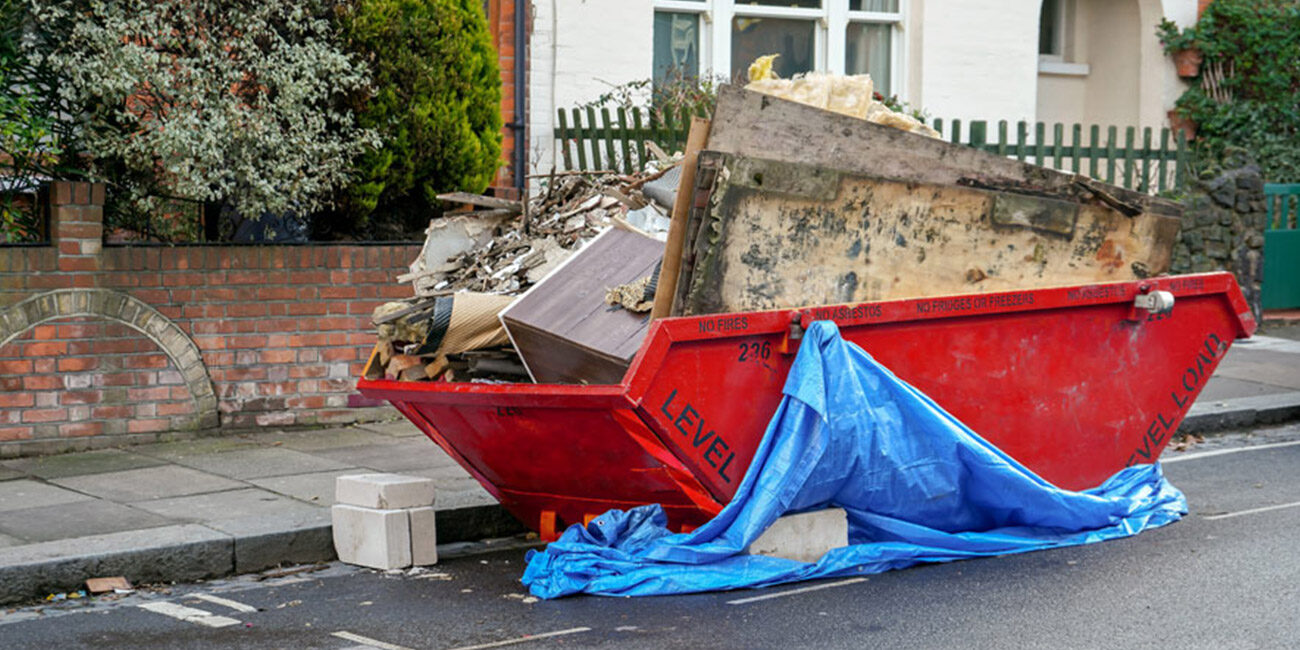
point(918, 486)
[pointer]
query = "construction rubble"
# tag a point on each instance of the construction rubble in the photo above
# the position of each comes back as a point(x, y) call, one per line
point(797, 193)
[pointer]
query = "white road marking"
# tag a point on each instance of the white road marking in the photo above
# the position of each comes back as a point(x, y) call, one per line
point(1221, 452)
point(1252, 511)
point(368, 642)
point(189, 614)
point(225, 602)
point(525, 639)
point(792, 592)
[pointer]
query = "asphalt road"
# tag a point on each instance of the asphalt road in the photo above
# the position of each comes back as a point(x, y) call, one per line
point(1227, 576)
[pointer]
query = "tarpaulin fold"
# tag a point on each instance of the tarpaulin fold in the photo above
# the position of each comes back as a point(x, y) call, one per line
point(917, 485)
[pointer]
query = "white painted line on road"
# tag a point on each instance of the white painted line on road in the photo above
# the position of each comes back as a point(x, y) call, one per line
point(226, 602)
point(525, 639)
point(1221, 452)
point(1252, 511)
point(189, 614)
point(792, 592)
point(367, 641)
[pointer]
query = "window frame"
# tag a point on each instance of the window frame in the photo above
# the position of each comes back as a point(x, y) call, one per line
point(830, 32)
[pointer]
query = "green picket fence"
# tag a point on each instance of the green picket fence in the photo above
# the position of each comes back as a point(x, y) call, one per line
point(594, 140)
point(1144, 160)
point(1281, 285)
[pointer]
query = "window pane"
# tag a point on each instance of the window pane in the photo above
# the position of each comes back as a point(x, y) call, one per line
point(1049, 41)
point(755, 37)
point(867, 50)
point(815, 4)
point(874, 5)
point(677, 46)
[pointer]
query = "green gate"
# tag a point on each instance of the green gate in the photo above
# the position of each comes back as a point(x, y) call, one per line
point(1281, 285)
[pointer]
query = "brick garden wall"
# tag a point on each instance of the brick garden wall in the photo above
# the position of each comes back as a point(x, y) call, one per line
point(103, 345)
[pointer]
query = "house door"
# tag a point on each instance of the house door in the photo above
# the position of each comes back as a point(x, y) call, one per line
point(1281, 285)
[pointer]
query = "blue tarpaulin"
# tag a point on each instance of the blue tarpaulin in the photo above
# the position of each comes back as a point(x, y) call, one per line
point(917, 485)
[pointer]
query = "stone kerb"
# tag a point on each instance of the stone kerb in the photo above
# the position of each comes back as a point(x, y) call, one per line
point(122, 308)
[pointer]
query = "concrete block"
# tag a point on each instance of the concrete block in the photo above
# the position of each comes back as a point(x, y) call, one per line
point(383, 491)
point(369, 537)
point(804, 537)
point(424, 536)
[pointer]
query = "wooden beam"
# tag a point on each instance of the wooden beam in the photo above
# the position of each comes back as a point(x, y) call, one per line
point(671, 266)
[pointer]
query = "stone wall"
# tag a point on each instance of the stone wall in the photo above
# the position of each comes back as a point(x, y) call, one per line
point(1223, 227)
point(102, 345)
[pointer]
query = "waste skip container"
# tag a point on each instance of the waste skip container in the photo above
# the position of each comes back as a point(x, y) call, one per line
point(1075, 382)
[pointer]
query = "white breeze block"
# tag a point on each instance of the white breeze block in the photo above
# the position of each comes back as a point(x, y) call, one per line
point(379, 539)
point(424, 537)
point(804, 537)
point(384, 491)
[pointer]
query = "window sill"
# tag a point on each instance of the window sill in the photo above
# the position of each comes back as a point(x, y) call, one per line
point(1063, 69)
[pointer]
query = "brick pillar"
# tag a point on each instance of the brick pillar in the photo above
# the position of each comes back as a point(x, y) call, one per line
point(1200, 7)
point(77, 225)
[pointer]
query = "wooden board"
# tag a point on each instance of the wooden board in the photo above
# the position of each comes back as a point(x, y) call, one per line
point(563, 329)
point(749, 123)
point(780, 235)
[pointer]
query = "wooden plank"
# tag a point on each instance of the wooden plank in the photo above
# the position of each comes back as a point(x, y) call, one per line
point(783, 235)
point(593, 137)
point(562, 134)
point(1094, 143)
point(607, 132)
point(1022, 135)
point(1058, 149)
point(956, 132)
point(581, 139)
point(1076, 149)
point(1145, 184)
point(629, 165)
point(1162, 180)
point(640, 136)
point(1002, 138)
point(979, 134)
point(1111, 154)
point(480, 200)
point(752, 124)
point(1130, 163)
point(670, 271)
point(1040, 134)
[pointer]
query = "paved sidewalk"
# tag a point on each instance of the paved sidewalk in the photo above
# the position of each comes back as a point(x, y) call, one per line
point(211, 506)
point(215, 506)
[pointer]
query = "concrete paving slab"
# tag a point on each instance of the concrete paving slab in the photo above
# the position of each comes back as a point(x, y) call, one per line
point(8, 474)
point(6, 541)
point(170, 553)
point(24, 494)
point(332, 439)
point(148, 483)
point(81, 463)
point(95, 517)
point(176, 450)
point(402, 457)
point(469, 496)
point(1263, 366)
point(1223, 387)
point(215, 507)
point(397, 428)
point(316, 488)
point(260, 463)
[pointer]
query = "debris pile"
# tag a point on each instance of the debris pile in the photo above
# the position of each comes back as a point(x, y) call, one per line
point(531, 243)
point(800, 192)
point(487, 256)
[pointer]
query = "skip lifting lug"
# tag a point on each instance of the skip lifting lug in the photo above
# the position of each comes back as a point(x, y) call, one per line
point(790, 342)
point(1150, 302)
